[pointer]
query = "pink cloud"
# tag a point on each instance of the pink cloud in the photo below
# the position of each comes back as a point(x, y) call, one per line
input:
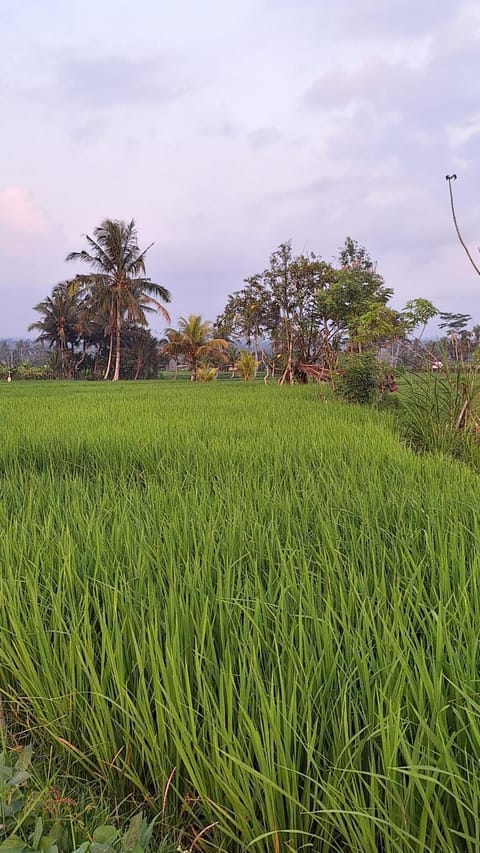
point(20, 214)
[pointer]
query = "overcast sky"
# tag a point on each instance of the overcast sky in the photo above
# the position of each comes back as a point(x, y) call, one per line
point(225, 127)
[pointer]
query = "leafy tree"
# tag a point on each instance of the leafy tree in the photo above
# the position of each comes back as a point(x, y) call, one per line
point(304, 306)
point(279, 305)
point(117, 288)
point(140, 353)
point(355, 291)
point(294, 283)
point(418, 312)
point(379, 324)
point(194, 341)
point(248, 315)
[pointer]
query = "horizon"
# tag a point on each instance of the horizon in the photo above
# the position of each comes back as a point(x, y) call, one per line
point(226, 131)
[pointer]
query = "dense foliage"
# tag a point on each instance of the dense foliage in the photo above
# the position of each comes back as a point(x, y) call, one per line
point(92, 319)
point(306, 309)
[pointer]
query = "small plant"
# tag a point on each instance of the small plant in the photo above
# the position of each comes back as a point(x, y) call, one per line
point(12, 800)
point(360, 378)
point(247, 365)
point(23, 828)
point(207, 374)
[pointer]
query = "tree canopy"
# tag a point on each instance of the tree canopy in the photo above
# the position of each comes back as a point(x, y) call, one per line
point(102, 316)
point(305, 308)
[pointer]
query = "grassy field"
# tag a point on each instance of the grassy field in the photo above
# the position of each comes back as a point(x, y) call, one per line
point(258, 594)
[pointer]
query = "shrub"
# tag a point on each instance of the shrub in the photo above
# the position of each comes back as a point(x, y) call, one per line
point(207, 374)
point(247, 365)
point(360, 376)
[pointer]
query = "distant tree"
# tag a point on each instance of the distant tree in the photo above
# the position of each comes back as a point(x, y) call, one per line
point(305, 307)
point(194, 341)
point(58, 326)
point(458, 336)
point(277, 311)
point(140, 353)
point(117, 288)
point(418, 312)
point(355, 290)
point(248, 315)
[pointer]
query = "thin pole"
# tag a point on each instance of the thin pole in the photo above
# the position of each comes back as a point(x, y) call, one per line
point(451, 178)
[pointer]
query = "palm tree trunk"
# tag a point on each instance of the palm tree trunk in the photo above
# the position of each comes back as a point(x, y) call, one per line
point(116, 374)
point(109, 362)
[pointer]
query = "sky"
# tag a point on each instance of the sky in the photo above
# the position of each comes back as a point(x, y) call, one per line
point(229, 126)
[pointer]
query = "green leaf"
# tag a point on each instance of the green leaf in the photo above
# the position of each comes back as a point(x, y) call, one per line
point(16, 804)
point(18, 777)
point(105, 835)
point(132, 834)
point(13, 843)
point(83, 847)
point(101, 848)
point(48, 844)
point(25, 758)
point(37, 833)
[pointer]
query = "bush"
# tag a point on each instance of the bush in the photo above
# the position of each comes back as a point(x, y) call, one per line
point(207, 374)
point(360, 376)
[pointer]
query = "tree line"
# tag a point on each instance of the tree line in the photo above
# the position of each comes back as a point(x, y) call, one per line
point(294, 319)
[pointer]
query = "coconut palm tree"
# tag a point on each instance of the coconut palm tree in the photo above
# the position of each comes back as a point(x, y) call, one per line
point(193, 339)
point(247, 365)
point(60, 318)
point(118, 287)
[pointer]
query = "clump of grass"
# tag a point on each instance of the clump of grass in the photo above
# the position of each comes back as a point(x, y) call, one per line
point(439, 412)
point(272, 596)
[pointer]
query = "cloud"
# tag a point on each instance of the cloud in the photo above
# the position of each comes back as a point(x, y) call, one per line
point(264, 137)
point(369, 18)
point(219, 126)
point(103, 83)
point(398, 18)
point(20, 214)
point(375, 80)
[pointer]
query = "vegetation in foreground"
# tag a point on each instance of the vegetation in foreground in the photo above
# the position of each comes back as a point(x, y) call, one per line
point(253, 600)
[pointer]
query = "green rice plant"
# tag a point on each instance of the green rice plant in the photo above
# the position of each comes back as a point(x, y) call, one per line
point(253, 610)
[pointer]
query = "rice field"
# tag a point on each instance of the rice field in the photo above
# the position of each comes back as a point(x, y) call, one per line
point(253, 608)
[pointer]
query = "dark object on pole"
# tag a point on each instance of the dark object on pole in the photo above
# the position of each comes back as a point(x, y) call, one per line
point(451, 178)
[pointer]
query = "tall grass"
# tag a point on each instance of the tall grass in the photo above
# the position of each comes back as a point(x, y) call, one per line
point(440, 412)
point(266, 592)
